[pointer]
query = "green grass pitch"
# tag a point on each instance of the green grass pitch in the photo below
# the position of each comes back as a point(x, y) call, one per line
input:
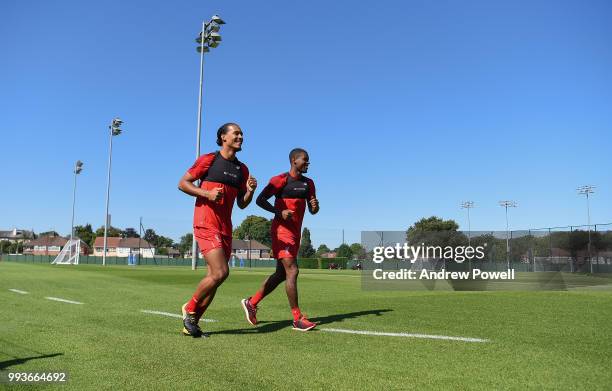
point(536, 340)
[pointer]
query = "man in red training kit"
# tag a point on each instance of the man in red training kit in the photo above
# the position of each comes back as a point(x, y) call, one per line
point(293, 193)
point(224, 179)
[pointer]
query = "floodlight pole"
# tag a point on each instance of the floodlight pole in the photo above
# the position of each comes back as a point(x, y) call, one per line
point(113, 131)
point(586, 190)
point(207, 38)
point(194, 245)
point(468, 205)
point(507, 204)
point(77, 170)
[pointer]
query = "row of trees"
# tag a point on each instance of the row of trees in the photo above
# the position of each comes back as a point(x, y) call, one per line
point(434, 231)
point(258, 228)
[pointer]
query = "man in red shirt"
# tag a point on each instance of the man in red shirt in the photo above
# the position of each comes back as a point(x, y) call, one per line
point(223, 179)
point(293, 192)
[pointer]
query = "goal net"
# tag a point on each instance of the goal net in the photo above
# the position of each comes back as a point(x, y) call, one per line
point(69, 254)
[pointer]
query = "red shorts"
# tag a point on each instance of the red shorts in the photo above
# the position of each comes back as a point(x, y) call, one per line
point(285, 246)
point(210, 240)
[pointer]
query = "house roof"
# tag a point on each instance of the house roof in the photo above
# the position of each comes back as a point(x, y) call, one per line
point(15, 233)
point(50, 241)
point(47, 241)
point(239, 244)
point(111, 242)
point(117, 242)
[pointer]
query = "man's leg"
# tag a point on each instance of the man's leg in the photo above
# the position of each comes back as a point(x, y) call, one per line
point(218, 271)
point(250, 305)
point(269, 284)
point(204, 303)
point(292, 271)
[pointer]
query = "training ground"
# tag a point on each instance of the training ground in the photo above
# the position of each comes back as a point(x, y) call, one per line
point(366, 339)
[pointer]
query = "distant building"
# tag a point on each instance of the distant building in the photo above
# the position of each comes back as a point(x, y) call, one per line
point(241, 249)
point(50, 245)
point(331, 254)
point(16, 235)
point(123, 247)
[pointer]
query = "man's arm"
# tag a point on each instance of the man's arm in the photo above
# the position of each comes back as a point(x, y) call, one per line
point(186, 186)
point(313, 202)
point(262, 202)
point(313, 206)
point(244, 199)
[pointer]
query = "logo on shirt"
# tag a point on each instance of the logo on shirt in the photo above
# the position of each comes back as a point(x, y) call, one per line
point(230, 174)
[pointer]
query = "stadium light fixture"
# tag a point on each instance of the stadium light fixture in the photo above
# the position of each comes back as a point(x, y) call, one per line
point(115, 130)
point(208, 38)
point(78, 167)
point(586, 190)
point(468, 205)
point(507, 204)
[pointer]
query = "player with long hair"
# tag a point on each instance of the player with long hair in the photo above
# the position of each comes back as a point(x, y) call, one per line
point(224, 179)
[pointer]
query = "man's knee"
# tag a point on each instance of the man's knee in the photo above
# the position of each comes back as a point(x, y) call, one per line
point(292, 271)
point(280, 275)
point(219, 275)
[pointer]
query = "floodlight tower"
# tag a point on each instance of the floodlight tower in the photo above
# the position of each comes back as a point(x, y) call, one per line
point(115, 130)
point(586, 190)
point(468, 205)
point(78, 167)
point(507, 204)
point(208, 38)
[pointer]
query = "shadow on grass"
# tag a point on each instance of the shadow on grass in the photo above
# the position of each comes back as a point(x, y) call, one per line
point(17, 361)
point(272, 326)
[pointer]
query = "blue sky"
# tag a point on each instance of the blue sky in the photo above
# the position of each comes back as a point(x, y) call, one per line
point(406, 107)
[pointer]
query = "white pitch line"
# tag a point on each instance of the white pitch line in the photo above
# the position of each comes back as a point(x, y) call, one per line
point(62, 300)
point(410, 335)
point(19, 291)
point(173, 315)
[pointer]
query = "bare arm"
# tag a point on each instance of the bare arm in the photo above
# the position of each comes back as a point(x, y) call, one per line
point(313, 205)
point(245, 199)
point(186, 186)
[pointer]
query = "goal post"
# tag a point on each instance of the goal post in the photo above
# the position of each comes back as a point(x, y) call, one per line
point(69, 254)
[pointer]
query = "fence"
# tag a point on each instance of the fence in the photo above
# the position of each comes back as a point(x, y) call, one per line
point(571, 248)
point(304, 263)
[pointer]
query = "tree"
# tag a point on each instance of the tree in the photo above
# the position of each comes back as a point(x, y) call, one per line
point(85, 233)
point(254, 228)
point(433, 231)
point(344, 251)
point(162, 251)
point(130, 233)
point(358, 251)
point(163, 241)
point(111, 233)
point(185, 243)
point(5, 246)
point(49, 233)
point(151, 237)
point(306, 250)
point(322, 250)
